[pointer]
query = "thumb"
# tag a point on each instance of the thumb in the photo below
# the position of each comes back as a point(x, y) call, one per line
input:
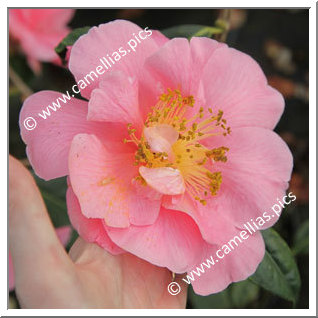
point(33, 243)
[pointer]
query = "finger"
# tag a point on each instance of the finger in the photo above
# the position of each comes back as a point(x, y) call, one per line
point(33, 243)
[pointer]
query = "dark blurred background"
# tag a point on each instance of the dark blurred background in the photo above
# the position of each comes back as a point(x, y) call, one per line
point(279, 41)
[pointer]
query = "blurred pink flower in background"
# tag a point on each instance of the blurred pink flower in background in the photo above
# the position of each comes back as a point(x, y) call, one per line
point(64, 235)
point(39, 31)
point(171, 155)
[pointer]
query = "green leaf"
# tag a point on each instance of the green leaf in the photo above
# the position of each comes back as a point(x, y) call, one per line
point(69, 40)
point(278, 272)
point(243, 293)
point(220, 300)
point(301, 245)
point(237, 295)
point(53, 193)
point(190, 30)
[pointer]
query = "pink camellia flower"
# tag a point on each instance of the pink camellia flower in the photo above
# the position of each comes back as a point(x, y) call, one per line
point(171, 155)
point(39, 31)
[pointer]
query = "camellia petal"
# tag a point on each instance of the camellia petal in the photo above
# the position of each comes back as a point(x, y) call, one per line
point(27, 25)
point(255, 176)
point(49, 143)
point(106, 39)
point(92, 230)
point(235, 83)
point(151, 242)
point(161, 137)
point(174, 154)
point(238, 264)
point(102, 183)
point(165, 180)
point(116, 100)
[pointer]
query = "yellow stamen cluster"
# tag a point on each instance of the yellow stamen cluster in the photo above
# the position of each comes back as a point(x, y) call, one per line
point(218, 154)
point(144, 156)
point(170, 110)
point(194, 160)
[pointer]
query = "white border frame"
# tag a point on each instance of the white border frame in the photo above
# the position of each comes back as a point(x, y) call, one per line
point(312, 162)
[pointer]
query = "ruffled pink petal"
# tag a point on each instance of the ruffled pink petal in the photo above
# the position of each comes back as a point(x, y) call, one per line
point(161, 137)
point(168, 69)
point(202, 50)
point(256, 174)
point(91, 230)
point(44, 20)
point(39, 31)
point(116, 100)
point(235, 83)
point(52, 19)
point(45, 46)
point(165, 180)
point(48, 144)
point(151, 201)
point(240, 263)
point(101, 180)
point(101, 43)
point(149, 89)
point(165, 69)
point(144, 211)
point(215, 226)
point(159, 38)
point(173, 241)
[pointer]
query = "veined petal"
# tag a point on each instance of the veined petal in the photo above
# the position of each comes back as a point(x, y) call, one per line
point(116, 100)
point(165, 180)
point(161, 137)
point(173, 241)
point(103, 42)
point(91, 230)
point(48, 144)
point(235, 83)
point(102, 182)
point(239, 261)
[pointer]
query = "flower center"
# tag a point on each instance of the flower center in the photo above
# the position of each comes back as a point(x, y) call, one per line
point(172, 138)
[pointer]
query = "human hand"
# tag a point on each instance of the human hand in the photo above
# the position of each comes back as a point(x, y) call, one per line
point(89, 277)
